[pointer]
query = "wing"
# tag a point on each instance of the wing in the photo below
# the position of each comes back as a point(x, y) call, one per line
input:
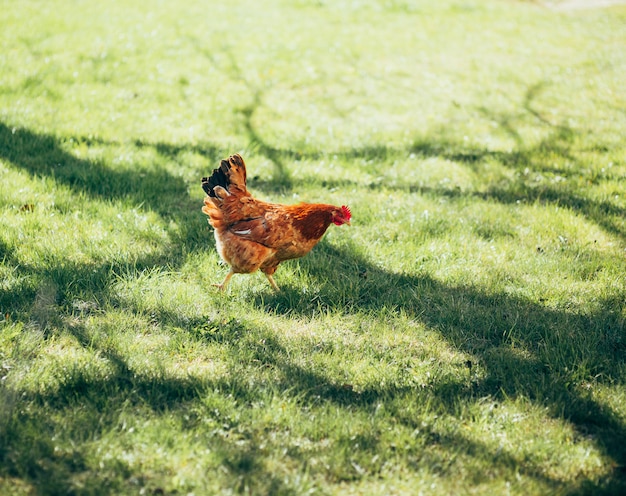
point(266, 224)
point(292, 231)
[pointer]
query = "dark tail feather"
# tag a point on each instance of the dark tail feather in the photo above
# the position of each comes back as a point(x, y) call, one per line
point(218, 178)
point(231, 175)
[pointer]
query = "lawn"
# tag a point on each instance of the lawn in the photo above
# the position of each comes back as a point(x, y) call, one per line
point(466, 335)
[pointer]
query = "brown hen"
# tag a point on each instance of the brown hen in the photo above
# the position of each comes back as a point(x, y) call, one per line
point(251, 234)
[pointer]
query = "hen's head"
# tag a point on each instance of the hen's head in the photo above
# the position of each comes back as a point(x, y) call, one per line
point(342, 215)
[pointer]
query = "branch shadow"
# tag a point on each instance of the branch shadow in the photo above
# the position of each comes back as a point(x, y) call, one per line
point(473, 327)
point(98, 402)
point(485, 326)
point(565, 181)
point(42, 155)
point(474, 330)
point(124, 387)
point(154, 189)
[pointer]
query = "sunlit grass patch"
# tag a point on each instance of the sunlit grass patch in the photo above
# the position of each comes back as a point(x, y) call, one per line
point(464, 335)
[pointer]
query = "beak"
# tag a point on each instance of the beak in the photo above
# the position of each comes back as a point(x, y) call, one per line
point(347, 222)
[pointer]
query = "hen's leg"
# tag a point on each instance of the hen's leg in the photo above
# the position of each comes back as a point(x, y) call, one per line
point(222, 286)
point(269, 273)
point(270, 278)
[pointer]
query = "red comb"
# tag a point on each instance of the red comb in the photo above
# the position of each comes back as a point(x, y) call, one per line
point(346, 212)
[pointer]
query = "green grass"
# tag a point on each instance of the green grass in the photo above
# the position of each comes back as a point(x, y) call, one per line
point(465, 336)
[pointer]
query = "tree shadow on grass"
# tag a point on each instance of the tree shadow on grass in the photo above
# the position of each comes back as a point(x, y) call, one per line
point(471, 320)
point(493, 329)
point(562, 189)
point(152, 188)
point(557, 156)
point(42, 155)
point(472, 330)
point(87, 403)
point(551, 171)
point(99, 400)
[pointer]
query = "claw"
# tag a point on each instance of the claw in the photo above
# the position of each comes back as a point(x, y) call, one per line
point(272, 282)
point(222, 287)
